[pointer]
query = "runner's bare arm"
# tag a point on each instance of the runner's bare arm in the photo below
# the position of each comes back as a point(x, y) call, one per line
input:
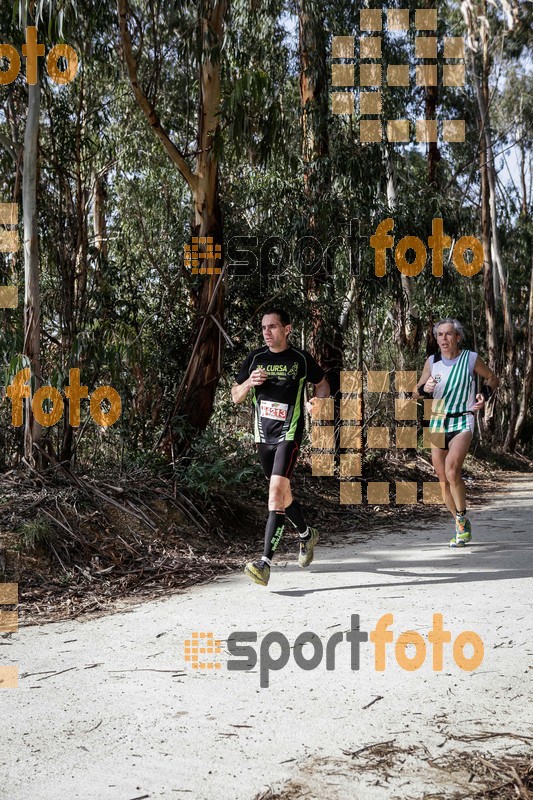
point(426, 375)
point(321, 390)
point(239, 391)
point(491, 379)
point(491, 383)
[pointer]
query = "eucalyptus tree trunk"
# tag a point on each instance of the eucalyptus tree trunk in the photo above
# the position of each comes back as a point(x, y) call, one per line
point(527, 385)
point(195, 397)
point(488, 285)
point(198, 392)
point(508, 327)
point(99, 213)
point(314, 91)
point(475, 39)
point(525, 206)
point(431, 97)
point(406, 326)
point(326, 334)
point(75, 300)
point(488, 274)
point(477, 15)
point(32, 300)
point(360, 358)
point(508, 324)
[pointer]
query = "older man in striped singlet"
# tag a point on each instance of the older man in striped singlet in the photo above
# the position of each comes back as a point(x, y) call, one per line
point(449, 376)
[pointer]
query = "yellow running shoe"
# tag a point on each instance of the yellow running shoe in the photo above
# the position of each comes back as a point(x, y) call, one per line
point(258, 571)
point(307, 548)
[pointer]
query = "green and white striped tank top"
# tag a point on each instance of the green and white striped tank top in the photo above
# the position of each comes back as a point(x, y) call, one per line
point(456, 389)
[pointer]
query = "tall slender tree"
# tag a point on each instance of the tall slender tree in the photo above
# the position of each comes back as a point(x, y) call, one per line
point(326, 334)
point(476, 17)
point(195, 397)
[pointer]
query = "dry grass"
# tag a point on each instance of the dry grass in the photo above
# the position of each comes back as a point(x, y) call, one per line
point(456, 775)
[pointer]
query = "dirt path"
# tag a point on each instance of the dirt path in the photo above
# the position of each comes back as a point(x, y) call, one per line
point(108, 709)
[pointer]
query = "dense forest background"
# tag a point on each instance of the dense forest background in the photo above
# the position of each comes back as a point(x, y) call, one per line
point(211, 119)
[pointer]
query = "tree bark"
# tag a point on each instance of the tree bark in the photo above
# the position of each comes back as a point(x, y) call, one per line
point(431, 100)
point(195, 398)
point(488, 288)
point(525, 207)
point(482, 94)
point(360, 352)
point(406, 326)
point(527, 388)
point(32, 300)
point(99, 213)
point(326, 334)
point(508, 327)
point(490, 228)
point(313, 89)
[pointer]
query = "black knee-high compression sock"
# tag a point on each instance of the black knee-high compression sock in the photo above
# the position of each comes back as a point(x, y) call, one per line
point(296, 515)
point(273, 534)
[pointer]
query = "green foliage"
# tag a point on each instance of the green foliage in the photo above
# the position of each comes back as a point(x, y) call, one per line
point(36, 533)
point(218, 461)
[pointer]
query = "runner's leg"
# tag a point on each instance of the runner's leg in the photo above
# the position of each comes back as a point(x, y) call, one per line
point(266, 453)
point(277, 491)
point(259, 571)
point(276, 503)
point(295, 513)
point(438, 457)
point(276, 515)
point(458, 448)
point(278, 462)
point(281, 500)
point(284, 465)
point(284, 461)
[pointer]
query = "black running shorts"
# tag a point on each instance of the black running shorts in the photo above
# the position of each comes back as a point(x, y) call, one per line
point(278, 459)
point(448, 437)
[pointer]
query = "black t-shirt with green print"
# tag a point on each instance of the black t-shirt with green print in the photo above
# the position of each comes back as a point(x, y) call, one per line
point(279, 401)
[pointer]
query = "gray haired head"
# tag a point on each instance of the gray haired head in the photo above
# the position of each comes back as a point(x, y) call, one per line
point(456, 324)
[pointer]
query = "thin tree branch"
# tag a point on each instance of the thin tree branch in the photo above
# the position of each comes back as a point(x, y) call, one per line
point(12, 147)
point(146, 106)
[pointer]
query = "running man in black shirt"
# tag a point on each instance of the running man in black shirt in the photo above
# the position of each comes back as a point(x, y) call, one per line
point(276, 376)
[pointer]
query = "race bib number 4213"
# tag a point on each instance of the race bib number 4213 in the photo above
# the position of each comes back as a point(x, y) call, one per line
point(272, 410)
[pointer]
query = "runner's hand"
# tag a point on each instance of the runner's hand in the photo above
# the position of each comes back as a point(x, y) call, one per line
point(257, 377)
point(312, 402)
point(480, 402)
point(429, 385)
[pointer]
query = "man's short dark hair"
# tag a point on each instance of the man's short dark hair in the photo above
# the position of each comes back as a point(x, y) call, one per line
point(282, 314)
